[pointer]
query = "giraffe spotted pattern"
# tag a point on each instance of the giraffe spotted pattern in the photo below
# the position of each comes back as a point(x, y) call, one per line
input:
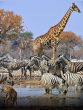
point(51, 38)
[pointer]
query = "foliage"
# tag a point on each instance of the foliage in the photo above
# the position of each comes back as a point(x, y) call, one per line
point(26, 35)
point(69, 44)
point(70, 37)
point(24, 40)
point(10, 24)
point(12, 36)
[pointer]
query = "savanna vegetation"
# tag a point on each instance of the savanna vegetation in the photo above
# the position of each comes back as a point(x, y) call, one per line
point(17, 42)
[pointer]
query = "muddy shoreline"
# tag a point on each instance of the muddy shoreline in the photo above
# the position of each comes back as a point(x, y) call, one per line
point(46, 101)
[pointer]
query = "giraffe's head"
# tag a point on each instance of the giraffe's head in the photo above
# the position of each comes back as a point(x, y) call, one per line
point(75, 8)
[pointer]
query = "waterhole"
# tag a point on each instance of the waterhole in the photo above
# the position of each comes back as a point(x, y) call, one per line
point(24, 91)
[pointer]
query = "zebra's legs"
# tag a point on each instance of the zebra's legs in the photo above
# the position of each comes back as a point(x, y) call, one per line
point(22, 71)
point(10, 75)
point(47, 91)
point(30, 74)
point(30, 71)
point(25, 71)
point(77, 87)
point(10, 78)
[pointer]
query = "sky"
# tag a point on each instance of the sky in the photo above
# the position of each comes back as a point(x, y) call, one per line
point(39, 15)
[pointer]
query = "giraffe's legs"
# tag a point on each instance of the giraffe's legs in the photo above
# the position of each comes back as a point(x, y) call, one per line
point(54, 47)
point(53, 54)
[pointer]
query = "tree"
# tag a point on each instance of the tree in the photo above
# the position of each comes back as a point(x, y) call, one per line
point(26, 35)
point(23, 44)
point(70, 37)
point(68, 41)
point(10, 24)
point(12, 35)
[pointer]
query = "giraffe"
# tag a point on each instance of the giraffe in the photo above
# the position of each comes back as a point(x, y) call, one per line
point(51, 38)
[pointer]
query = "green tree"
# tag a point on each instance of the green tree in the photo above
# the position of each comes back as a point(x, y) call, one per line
point(26, 35)
point(25, 43)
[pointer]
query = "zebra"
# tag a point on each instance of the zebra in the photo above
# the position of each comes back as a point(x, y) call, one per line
point(6, 58)
point(50, 81)
point(51, 67)
point(67, 64)
point(33, 64)
point(45, 57)
point(75, 66)
point(72, 79)
point(2, 78)
point(44, 64)
point(36, 63)
point(13, 65)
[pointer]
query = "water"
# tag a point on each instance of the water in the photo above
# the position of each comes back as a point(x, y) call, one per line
point(24, 91)
point(29, 91)
point(72, 98)
point(35, 96)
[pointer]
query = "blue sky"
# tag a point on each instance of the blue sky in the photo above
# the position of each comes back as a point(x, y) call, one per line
point(39, 15)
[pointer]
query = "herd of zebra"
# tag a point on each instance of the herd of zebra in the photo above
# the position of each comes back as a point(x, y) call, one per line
point(61, 74)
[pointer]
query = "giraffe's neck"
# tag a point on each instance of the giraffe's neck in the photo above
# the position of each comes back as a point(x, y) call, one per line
point(61, 25)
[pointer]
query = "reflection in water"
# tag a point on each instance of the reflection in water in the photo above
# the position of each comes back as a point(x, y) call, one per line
point(24, 91)
point(72, 98)
point(29, 91)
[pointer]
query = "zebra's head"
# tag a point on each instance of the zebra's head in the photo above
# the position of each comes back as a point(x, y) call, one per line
point(34, 60)
point(44, 57)
point(62, 62)
point(63, 86)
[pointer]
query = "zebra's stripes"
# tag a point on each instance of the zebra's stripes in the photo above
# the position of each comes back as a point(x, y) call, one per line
point(33, 64)
point(13, 65)
point(2, 78)
point(72, 79)
point(5, 79)
point(44, 64)
point(50, 81)
point(36, 63)
point(73, 67)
